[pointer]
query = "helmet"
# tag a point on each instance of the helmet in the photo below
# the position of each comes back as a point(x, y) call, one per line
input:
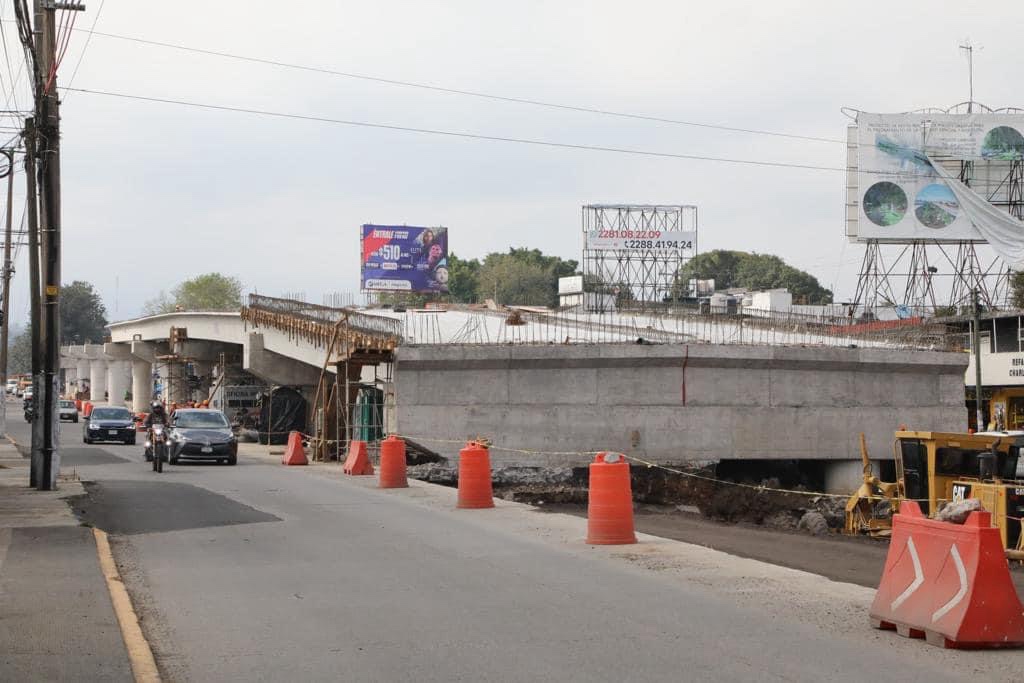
point(158, 407)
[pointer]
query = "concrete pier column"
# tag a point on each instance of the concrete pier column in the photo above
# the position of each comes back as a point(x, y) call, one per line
point(142, 385)
point(97, 380)
point(82, 381)
point(117, 381)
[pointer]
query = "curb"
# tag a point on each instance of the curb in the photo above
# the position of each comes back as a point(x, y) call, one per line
point(139, 653)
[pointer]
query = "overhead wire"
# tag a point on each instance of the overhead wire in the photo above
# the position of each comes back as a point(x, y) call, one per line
point(476, 136)
point(88, 39)
point(457, 91)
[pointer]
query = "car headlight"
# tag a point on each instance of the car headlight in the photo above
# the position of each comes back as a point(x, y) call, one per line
point(92, 426)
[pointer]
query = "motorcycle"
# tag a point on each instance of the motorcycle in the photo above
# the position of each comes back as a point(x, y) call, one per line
point(30, 413)
point(157, 445)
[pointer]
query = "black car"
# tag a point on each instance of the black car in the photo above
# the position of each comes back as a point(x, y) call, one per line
point(198, 434)
point(109, 424)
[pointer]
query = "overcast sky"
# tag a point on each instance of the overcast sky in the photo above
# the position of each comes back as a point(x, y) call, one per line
point(156, 193)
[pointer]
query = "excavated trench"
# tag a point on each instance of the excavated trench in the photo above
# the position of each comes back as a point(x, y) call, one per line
point(733, 491)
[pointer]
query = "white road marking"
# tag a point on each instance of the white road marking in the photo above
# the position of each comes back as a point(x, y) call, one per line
point(918, 577)
point(962, 572)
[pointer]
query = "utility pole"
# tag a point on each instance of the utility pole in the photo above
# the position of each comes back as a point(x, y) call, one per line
point(969, 49)
point(48, 124)
point(8, 272)
point(980, 414)
point(32, 205)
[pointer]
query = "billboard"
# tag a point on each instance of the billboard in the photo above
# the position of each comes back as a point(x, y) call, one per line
point(904, 182)
point(665, 228)
point(404, 259)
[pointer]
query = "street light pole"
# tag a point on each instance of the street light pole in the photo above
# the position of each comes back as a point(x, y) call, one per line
point(8, 271)
point(979, 414)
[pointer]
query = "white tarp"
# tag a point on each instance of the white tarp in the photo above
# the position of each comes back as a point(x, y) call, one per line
point(1003, 232)
point(907, 184)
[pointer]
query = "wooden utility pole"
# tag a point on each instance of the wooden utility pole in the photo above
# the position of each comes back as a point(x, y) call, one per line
point(48, 125)
point(5, 316)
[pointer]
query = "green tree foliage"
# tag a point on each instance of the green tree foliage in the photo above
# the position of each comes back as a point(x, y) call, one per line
point(209, 292)
point(751, 271)
point(1017, 289)
point(522, 276)
point(463, 279)
point(83, 317)
point(19, 354)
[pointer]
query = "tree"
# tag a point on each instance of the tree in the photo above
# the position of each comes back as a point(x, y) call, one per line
point(463, 279)
point(751, 271)
point(522, 276)
point(209, 292)
point(19, 354)
point(83, 317)
point(1017, 289)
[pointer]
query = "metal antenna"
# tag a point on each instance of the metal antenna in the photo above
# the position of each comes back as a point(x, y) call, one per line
point(969, 49)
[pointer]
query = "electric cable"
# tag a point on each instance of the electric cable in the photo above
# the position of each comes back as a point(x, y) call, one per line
point(457, 91)
point(461, 134)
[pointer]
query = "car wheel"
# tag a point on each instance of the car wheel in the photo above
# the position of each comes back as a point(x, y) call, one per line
point(131, 441)
point(86, 439)
point(233, 460)
point(75, 418)
point(173, 460)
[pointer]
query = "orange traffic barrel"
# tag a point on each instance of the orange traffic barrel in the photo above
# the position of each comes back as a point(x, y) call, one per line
point(87, 409)
point(610, 501)
point(392, 464)
point(78, 404)
point(475, 477)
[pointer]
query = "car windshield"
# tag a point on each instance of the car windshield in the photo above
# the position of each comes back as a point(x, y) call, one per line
point(67, 404)
point(110, 414)
point(209, 419)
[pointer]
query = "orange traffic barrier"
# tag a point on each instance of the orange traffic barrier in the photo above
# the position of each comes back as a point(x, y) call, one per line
point(294, 454)
point(357, 461)
point(87, 409)
point(140, 422)
point(392, 464)
point(78, 404)
point(610, 501)
point(475, 477)
point(948, 583)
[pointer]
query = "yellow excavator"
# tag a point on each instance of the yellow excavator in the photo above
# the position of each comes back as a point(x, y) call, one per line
point(939, 467)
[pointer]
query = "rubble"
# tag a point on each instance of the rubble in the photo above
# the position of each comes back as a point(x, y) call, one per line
point(956, 513)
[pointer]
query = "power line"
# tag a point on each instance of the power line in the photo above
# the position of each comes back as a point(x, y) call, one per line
point(91, 31)
point(459, 134)
point(452, 91)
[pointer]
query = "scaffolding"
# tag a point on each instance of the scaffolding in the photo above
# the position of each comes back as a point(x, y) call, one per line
point(640, 268)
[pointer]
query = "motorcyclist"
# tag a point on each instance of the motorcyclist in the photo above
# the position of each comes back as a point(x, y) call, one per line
point(157, 415)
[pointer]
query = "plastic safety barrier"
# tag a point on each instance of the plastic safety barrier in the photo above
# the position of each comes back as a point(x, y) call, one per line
point(948, 583)
point(294, 453)
point(357, 462)
point(392, 464)
point(475, 490)
point(610, 501)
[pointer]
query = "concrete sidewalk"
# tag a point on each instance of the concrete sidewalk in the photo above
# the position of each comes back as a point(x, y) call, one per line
point(56, 618)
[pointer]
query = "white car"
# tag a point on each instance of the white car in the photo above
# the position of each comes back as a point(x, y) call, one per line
point(27, 394)
point(12, 386)
point(66, 410)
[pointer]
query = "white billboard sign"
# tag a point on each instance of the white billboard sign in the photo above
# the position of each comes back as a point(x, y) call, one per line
point(896, 193)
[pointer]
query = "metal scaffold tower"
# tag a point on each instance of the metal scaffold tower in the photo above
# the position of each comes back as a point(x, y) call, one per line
point(636, 251)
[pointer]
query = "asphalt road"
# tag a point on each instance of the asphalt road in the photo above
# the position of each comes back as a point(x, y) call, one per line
point(264, 573)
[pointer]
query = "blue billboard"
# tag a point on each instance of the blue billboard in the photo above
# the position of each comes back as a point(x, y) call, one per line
point(404, 259)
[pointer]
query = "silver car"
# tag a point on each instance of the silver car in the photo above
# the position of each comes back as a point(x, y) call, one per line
point(66, 410)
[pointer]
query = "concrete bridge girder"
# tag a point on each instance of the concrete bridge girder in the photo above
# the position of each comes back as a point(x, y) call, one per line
point(276, 368)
